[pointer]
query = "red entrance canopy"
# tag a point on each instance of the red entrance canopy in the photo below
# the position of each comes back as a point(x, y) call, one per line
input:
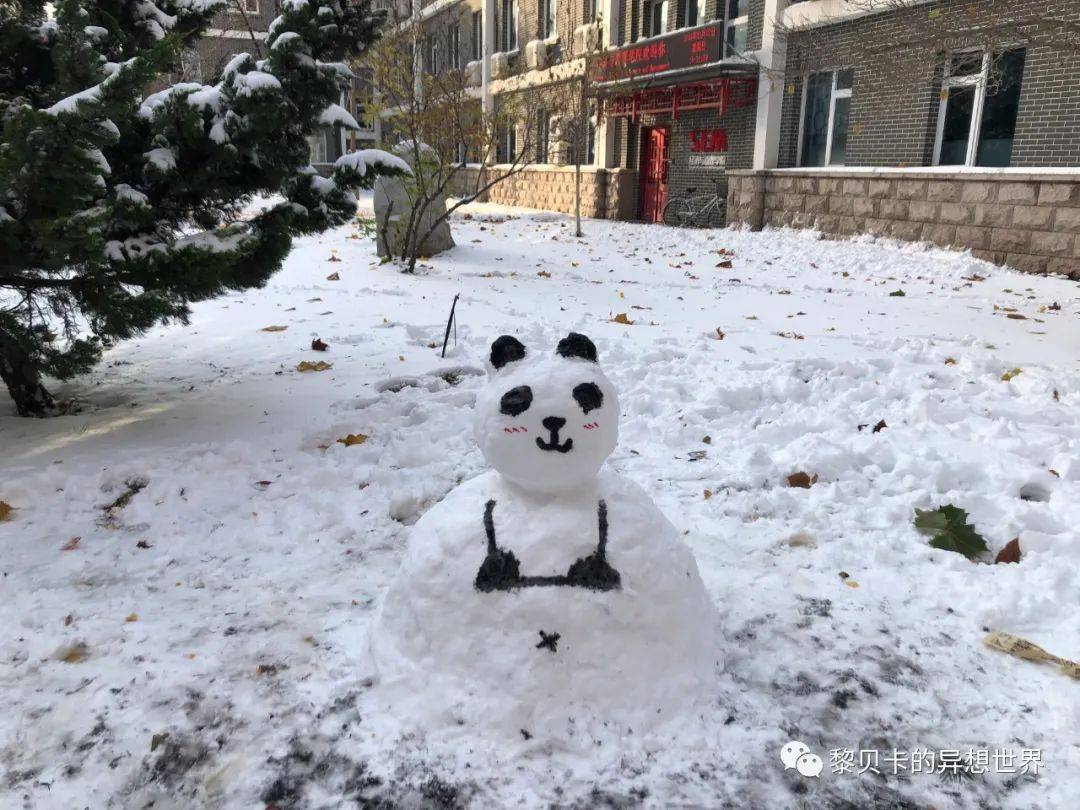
point(718, 94)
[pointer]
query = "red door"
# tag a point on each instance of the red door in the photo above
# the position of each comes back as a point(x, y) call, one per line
point(654, 168)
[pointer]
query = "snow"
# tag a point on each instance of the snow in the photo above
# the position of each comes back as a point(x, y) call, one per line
point(228, 604)
point(70, 104)
point(258, 80)
point(128, 194)
point(364, 159)
point(161, 158)
point(336, 115)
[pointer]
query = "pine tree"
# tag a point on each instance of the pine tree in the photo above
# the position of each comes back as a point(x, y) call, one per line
point(118, 209)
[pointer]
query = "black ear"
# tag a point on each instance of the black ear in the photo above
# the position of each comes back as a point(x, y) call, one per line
point(577, 345)
point(506, 349)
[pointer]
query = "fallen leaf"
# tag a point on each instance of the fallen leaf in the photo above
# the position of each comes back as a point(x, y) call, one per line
point(725, 264)
point(880, 426)
point(897, 294)
point(949, 530)
point(802, 480)
point(708, 494)
point(158, 739)
point(1008, 375)
point(621, 318)
point(71, 544)
point(720, 333)
point(73, 653)
point(333, 277)
point(142, 544)
point(1057, 398)
point(334, 257)
point(1010, 553)
point(354, 439)
point(319, 365)
point(275, 328)
point(318, 345)
point(791, 335)
point(131, 617)
point(851, 583)
point(1016, 316)
point(950, 361)
point(544, 274)
point(5, 511)
point(706, 439)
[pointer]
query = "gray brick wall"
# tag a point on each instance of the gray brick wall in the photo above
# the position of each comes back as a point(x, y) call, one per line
point(898, 59)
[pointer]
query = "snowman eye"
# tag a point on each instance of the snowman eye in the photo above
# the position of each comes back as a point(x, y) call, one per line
point(516, 400)
point(588, 396)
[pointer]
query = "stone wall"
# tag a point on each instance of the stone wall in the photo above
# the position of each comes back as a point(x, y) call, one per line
point(605, 193)
point(1029, 221)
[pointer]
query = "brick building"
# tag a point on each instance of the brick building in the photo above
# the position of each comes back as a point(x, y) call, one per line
point(950, 121)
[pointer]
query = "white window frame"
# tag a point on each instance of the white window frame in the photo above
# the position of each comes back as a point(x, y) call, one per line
point(733, 22)
point(549, 19)
point(509, 26)
point(834, 94)
point(976, 80)
point(455, 46)
point(477, 34)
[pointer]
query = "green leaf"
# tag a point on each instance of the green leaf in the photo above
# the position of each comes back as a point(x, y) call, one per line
point(897, 294)
point(949, 530)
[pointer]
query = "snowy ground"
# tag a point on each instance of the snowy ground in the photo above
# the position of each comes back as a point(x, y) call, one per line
point(201, 645)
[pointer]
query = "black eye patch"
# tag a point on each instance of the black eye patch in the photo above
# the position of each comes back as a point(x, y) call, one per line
point(516, 400)
point(588, 396)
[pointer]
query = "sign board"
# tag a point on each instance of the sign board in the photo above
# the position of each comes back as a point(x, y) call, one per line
point(683, 49)
point(707, 161)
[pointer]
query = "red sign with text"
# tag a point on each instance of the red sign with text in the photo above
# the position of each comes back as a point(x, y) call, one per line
point(684, 49)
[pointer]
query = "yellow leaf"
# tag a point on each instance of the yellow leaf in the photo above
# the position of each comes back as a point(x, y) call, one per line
point(851, 583)
point(189, 656)
point(131, 617)
point(621, 318)
point(5, 511)
point(950, 361)
point(274, 328)
point(74, 653)
point(354, 439)
point(1008, 375)
point(544, 274)
point(708, 494)
point(622, 294)
point(319, 365)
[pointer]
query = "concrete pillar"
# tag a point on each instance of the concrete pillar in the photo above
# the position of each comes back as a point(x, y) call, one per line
point(772, 60)
point(488, 101)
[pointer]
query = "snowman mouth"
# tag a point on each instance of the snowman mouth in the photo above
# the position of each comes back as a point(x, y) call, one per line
point(553, 443)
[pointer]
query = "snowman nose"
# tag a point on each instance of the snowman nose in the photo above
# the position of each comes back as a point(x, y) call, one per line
point(553, 423)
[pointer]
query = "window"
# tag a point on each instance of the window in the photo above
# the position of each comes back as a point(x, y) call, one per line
point(547, 13)
point(589, 15)
point(543, 136)
point(506, 150)
point(509, 26)
point(980, 96)
point(455, 46)
point(735, 27)
point(655, 18)
point(590, 141)
point(477, 36)
point(693, 13)
point(824, 123)
point(432, 50)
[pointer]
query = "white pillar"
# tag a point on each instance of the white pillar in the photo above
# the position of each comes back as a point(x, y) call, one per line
point(488, 102)
point(772, 59)
point(605, 129)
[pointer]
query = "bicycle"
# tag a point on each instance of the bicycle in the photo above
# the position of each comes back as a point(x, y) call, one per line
point(702, 210)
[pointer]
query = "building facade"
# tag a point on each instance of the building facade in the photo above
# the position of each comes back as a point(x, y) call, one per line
point(963, 116)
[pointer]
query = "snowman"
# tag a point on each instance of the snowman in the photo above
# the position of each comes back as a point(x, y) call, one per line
point(548, 596)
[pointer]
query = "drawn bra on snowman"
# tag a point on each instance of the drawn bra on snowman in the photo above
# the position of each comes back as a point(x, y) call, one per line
point(501, 570)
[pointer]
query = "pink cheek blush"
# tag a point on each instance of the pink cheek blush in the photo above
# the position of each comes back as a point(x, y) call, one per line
point(591, 425)
point(515, 429)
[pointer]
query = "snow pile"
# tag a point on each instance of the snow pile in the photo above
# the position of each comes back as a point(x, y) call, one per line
point(542, 599)
point(362, 160)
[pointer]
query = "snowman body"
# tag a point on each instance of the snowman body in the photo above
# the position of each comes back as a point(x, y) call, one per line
point(547, 595)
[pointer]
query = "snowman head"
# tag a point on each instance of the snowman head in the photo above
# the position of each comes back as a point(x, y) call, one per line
point(547, 421)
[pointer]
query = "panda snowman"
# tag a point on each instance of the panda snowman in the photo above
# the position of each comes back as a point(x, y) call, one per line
point(546, 595)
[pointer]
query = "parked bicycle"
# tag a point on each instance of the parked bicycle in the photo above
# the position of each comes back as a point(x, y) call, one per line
point(698, 210)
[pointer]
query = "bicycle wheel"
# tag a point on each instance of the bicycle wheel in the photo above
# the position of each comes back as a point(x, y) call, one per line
point(678, 213)
point(717, 215)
